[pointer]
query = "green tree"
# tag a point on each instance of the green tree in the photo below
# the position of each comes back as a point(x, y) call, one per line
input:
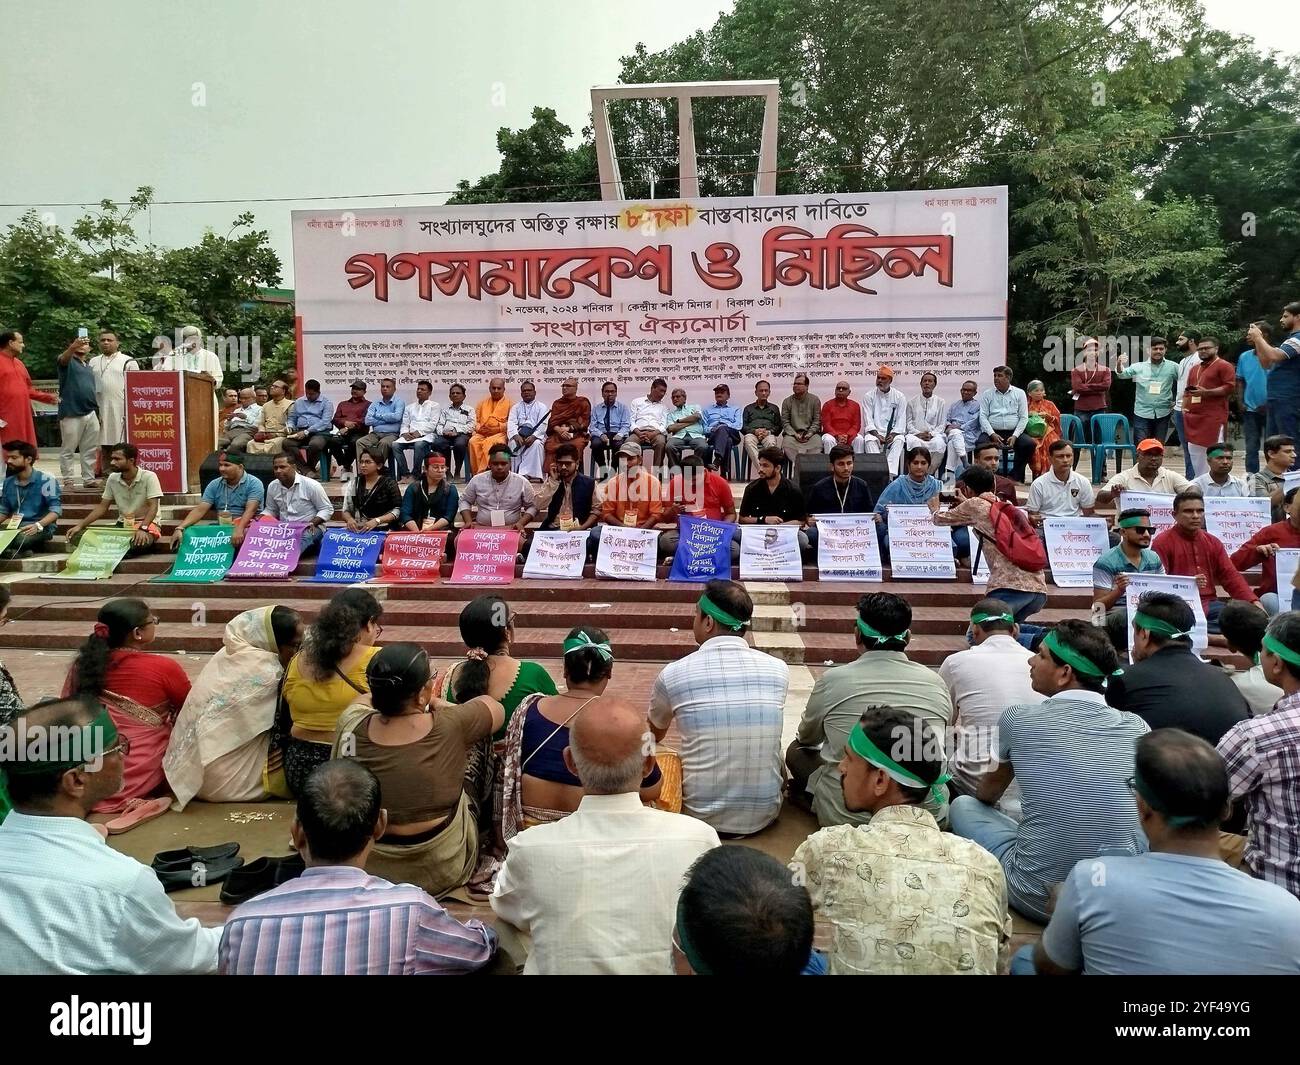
point(536, 166)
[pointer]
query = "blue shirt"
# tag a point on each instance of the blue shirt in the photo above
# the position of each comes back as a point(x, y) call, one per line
point(315, 417)
point(965, 414)
point(76, 390)
point(1114, 562)
point(33, 500)
point(1255, 377)
point(619, 419)
point(726, 414)
point(222, 497)
point(385, 415)
point(1284, 379)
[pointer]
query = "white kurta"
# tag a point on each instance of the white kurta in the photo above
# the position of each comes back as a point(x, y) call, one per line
point(110, 393)
point(528, 461)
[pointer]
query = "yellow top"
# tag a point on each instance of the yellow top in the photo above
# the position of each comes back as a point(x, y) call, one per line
point(317, 704)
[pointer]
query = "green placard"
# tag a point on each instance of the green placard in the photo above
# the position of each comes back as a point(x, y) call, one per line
point(7, 537)
point(204, 556)
point(96, 556)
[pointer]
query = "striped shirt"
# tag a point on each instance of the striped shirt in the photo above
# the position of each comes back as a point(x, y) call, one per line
point(1263, 759)
point(1072, 755)
point(339, 921)
point(729, 702)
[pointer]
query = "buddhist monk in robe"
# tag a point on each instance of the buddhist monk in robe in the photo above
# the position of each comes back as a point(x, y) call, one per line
point(490, 418)
point(569, 423)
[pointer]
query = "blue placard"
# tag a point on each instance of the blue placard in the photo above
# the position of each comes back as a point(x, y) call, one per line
point(347, 557)
point(703, 550)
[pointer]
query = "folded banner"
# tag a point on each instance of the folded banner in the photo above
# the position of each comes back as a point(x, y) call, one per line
point(97, 555)
point(204, 556)
point(556, 556)
point(1073, 547)
point(770, 553)
point(627, 554)
point(485, 556)
point(270, 549)
point(917, 546)
point(347, 557)
point(848, 548)
point(413, 558)
point(1236, 520)
point(1160, 506)
point(1183, 587)
point(703, 549)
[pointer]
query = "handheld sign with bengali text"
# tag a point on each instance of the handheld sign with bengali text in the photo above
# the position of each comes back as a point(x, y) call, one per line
point(270, 551)
point(98, 552)
point(848, 548)
point(1183, 587)
point(703, 549)
point(485, 556)
point(7, 537)
point(1287, 560)
point(1289, 481)
point(1161, 507)
point(1073, 547)
point(1236, 520)
point(155, 424)
point(770, 553)
point(413, 558)
point(347, 557)
point(917, 546)
point(556, 556)
point(205, 555)
point(627, 554)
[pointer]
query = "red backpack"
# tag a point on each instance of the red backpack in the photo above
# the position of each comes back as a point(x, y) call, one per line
point(1015, 537)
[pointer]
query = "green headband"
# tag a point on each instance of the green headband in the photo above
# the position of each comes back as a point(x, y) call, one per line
point(1073, 658)
point(1217, 449)
point(1148, 797)
point(1272, 643)
point(1160, 628)
point(697, 964)
point(880, 637)
point(861, 745)
point(40, 755)
point(709, 607)
point(501, 449)
point(582, 641)
point(1134, 521)
point(981, 617)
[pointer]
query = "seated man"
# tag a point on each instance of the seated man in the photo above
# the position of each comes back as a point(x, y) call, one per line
point(242, 423)
point(610, 425)
point(964, 416)
point(801, 415)
point(426, 427)
point(1167, 686)
point(1061, 492)
point(762, 426)
point(989, 455)
point(1262, 548)
point(1132, 554)
point(956, 922)
point(701, 493)
point(740, 914)
point(336, 920)
point(309, 425)
point(772, 499)
point(1072, 755)
point(1004, 413)
point(349, 426)
point(728, 701)
point(235, 495)
point(1179, 909)
point(569, 422)
point(1270, 482)
point(650, 421)
point(842, 421)
point(497, 498)
point(884, 416)
point(384, 421)
point(638, 856)
point(135, 493)
point(491, 417)
point(926, 427)
point(1147, 474)
point(685, 431)
point(882, 675)
point(840, 493)
point(632, 497)
point(1263, 759)
point(1243, 628)
point(721, 424)
point(295, 497)
point(272, 422)
point(526, 428)
point(71, 904)
point(1218, 481)
point(572, 506)
point(30, 501)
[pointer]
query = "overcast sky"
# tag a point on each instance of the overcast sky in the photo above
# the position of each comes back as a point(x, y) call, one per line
point(314, 97)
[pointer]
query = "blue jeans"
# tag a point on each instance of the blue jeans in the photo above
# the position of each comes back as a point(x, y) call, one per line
point(1284, 419)
point(311, 538)
point(1023, 604)
point(996, 833)
point(1253, 423)
point(1022, 962)
point(1150, 427)
point(1212, 612)
point(1182, 442)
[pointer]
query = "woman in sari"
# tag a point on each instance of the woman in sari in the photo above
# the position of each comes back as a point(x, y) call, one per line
point(143, 693)
point(219, 746)
point(569, 422)
point(325, 677)
point(419, 748)
point(538, 786)
point(1041, 460)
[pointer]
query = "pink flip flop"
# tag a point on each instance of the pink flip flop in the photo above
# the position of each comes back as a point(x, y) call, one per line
point(102, 829)
point(136, 812)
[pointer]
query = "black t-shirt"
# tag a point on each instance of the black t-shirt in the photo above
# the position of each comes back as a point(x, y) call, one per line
point(1174, 689)
point(824, 497)
point(785, 503)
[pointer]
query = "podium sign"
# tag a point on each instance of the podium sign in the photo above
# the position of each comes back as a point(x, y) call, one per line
point(155, 424)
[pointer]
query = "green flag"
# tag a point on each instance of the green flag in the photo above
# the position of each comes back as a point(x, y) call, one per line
point(204, 556)
point(97, 555)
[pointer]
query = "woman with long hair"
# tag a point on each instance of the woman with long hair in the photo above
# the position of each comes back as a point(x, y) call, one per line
point(143, 692)
point(430, 504)
point(419, 747)
point(325, 677)
point(219, 747)
point(374, 500)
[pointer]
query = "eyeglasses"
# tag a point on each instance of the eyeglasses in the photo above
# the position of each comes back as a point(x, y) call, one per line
point(122, 747)
point(1132, 784)
point(1143, 528)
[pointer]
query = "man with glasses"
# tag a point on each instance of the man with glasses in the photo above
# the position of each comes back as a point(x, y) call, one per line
point(1132, 554)
point(842, 421)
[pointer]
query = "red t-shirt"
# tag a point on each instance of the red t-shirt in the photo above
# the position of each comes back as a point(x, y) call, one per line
point(1203, 417)
point(718, 500)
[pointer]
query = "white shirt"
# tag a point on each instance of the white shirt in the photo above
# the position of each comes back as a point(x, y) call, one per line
point(879, 407)
point(926, 415)
point(200, 361)
point(534, 414)
point(249, 417)
point(421, 418)
point(598, 890)
point(1060, 499)
point(301, 501)
point(1232, 488)
point(73, 905)
point(647, 414)
point(1260, 695)
point(1184, 372)
point(729, 702)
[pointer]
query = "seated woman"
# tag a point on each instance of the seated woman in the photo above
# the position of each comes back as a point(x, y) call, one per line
point(916, 488)
point(1041, 460)
point(538, 786)
point(325, 677)
point(218, 748)
point(419, 748)
point(143, 693)
point(374, 500)
point(430, 504)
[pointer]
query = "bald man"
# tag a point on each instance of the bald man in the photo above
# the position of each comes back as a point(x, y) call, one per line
point(625, 862)
point(491, 417)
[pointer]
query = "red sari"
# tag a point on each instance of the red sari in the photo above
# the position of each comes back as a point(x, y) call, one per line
point(144, 693)
point(16, 395)
point(1041, 460)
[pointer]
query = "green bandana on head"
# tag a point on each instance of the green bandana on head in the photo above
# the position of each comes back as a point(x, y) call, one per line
point(1134, 520)
point(1148, 797)
point(1272, 643)
point(861, 745)
point(582, 641)
point(980, 618)
point(1217, 449)
point(727, 621)
point(697, 964)
point(878, 637)
point(69, 748)
point(1072, 658)
point(1160, 628)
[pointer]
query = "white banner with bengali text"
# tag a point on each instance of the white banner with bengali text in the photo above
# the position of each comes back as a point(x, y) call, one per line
point(770, 553)
point(1183, 587)
point(1073, 546)
point(848, 548)
point(1236, 520)
point(1161, 507)
point(627, 554)
point(556, 556)
point(917, 546)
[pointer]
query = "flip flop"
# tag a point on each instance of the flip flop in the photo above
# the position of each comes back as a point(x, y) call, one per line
point(137, 812)
point(102, 829)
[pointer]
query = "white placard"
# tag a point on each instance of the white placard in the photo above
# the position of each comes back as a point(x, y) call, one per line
point(770, 553)
point(556, 556)
point(848, 548)
point(627, 554)
point(1235, 520)
point(1073, 546)
point(1183, 587)
point(1160, 506)
point(1289, 481)
point(917, 546)
point(1287, 560)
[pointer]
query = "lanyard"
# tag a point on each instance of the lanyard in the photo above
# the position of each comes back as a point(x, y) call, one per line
point(842, 498)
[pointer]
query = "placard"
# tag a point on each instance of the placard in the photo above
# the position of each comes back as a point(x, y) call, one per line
point(1161, 508)
point(7, 536)
point(917, 546)
point(770, 553)
point(1289, 481)
point(98, 552)
point(979, 573)
point(627, 554)
point(1287, 561)
point(413, 557)
point(1073, 547)
point(270, 550)
point(556, 556)
point(347, 557)
point(848, 548)
point(155, 424)
point(485, 556)
point(703, 549)
point(1234, 520)
point(1183, 587)
point(205, 555)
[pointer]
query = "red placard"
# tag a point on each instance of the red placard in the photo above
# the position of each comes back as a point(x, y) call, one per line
point(413, 557)
point(485, 556)
point(155, 424)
